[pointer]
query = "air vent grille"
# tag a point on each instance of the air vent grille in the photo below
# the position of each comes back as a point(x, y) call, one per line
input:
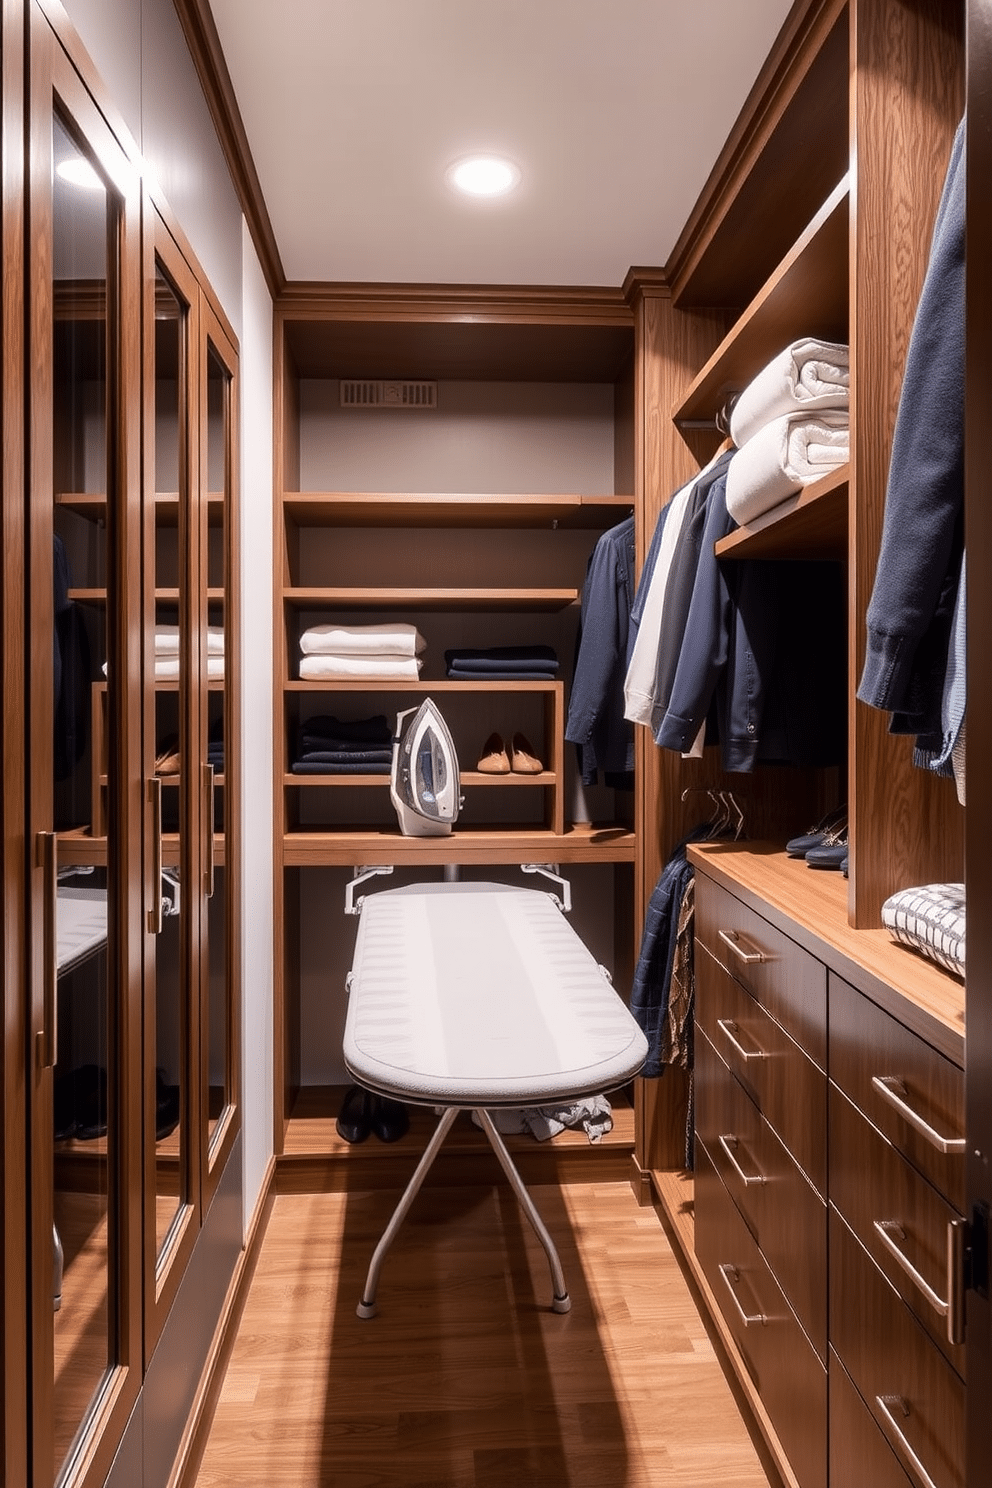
point(362, 393)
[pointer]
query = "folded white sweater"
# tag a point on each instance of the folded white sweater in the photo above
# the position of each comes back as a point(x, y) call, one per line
point(384, 668)
point(781, 458)
point(806, 377)
point(388, 639)
point(167, 640)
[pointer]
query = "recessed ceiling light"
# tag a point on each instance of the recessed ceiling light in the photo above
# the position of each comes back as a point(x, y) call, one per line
point(78, 172)
point(484, 175)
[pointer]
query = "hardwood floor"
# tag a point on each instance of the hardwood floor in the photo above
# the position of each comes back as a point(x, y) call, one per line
point(465, 1378)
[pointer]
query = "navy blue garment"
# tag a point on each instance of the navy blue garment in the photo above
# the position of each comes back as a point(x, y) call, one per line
point(653, 973)
point(463, 674)
point(919, 564)
point(595, 722)
point(500, 660)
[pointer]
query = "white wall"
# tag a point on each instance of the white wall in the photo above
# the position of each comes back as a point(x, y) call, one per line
point(256, 713)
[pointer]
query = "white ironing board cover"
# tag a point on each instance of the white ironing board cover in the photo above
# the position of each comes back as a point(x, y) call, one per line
point(479, 994)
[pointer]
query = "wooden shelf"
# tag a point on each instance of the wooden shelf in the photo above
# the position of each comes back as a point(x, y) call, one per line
point(97, 596)
point(407, 509)
point(93, 506)
point(812, 908)
point(812, 524)
point(579, 844)
point(430, 599)
point(809, 290)
point(466, 777)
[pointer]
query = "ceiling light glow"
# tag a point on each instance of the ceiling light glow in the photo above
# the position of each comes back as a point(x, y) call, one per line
point(484, 175)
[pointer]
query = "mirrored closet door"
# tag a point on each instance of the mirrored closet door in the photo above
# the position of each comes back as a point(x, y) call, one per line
point(83, 734)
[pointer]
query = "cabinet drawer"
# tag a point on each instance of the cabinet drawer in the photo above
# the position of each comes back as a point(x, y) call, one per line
point(859, 1454)
point(786, 979)
point(781, 1208)
point(919, 1100)
point(915, 1397)
point(873, 1184)
point(786, 1373)
point(786, 1086)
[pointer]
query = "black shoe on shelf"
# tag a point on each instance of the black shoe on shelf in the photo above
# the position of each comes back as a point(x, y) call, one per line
point(834, 821)
point(390, 1119)
point(354, 1121)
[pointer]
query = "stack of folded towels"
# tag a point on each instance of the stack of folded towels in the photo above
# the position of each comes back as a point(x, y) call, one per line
point(502, 664)
point(167, 651)
point(388, 652)
point(335, 746)
point(791, 426)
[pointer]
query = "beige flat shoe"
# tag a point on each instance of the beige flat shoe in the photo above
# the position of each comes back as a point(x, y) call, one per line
point(525, 761)
point(494, 759)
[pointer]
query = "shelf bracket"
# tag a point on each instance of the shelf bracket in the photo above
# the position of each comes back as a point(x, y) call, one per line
point(351, 905)
point(550, 870)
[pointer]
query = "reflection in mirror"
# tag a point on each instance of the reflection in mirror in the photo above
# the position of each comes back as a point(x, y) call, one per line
point(169, 649)
point(218, 482)
point(84, 1209)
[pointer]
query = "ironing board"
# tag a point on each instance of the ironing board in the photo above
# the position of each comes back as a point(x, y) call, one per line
point(471, 996)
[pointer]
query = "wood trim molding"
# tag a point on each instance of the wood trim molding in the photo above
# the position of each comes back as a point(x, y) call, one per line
point(200, 31)
point(310, 299)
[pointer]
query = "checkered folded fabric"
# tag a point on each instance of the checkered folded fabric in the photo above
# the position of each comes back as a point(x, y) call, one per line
point(931, 919)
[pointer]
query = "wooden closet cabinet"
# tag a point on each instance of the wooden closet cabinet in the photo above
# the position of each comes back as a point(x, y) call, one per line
point(445, 458)
point(826, 1206)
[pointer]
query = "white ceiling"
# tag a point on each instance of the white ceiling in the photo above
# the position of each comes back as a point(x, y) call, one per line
point(614, 110)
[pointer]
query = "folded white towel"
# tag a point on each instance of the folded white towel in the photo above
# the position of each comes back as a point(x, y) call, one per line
point(167, 667)
point(387, 639)
point(807, 376)
point(383, 668)
point(784, 456)
point(167, 640)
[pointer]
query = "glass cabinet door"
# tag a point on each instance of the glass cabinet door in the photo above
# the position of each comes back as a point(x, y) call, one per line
point(84, 813)
point(171, 1159)
point(218, 671)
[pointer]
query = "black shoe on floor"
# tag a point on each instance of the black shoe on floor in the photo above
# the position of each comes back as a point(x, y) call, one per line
point(390, 1119)
point(355, 1117)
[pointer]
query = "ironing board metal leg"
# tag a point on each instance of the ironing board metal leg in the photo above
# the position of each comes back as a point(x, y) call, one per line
point(560, 1302)
point(366, 1308)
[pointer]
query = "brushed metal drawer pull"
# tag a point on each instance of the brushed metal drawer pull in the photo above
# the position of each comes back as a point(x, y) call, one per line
point(894, 1091)
point(957, 1239)
point(732, 940)
point(885, 1229)
point(730, 1143)
point(885, 1404)
point(730, 1030)
point(731, 1277)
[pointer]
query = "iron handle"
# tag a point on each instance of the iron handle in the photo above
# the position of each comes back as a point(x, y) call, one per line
point(732, 939)
point(885, 1404)
point(155, 914)
point(730, 1030)
point(46, 848)
point(886, 1229)
point(208, 783)
point(894, 1091)
point(731, 1275)
point(746, 1178)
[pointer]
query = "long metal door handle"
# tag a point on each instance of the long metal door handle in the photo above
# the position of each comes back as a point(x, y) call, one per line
point(885, 1404)
point(894, 1091)
point(208, 791)
point(46, 847)
point(957, 1239)
point(733, 940)
point(886, 1229)
point(730, 1143)
point(731, 1276)
point(730, 1030)
point(155, 914)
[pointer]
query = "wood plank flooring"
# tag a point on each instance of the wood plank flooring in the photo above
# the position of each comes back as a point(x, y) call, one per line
point(465, 1378)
